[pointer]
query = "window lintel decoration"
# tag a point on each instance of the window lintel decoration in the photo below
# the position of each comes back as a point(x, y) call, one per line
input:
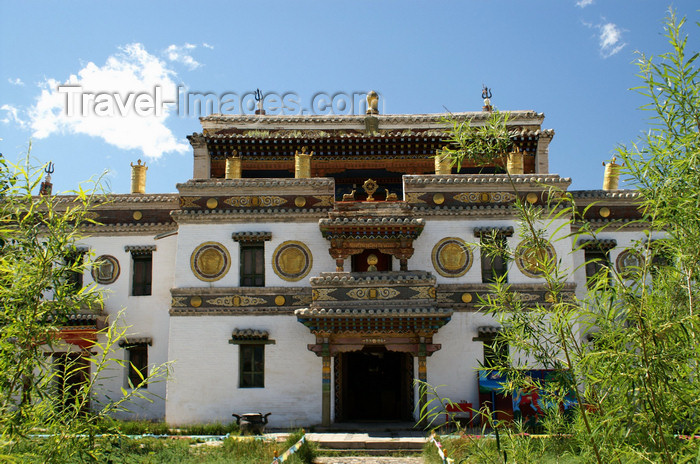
point(506, 231)
point(136, 341)
point(250, 337)
point(248, 237)
point(596, 244)
point(486, 333)
point(140, 249)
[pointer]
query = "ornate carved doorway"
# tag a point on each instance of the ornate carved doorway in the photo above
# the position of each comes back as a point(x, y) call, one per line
point(374, 384)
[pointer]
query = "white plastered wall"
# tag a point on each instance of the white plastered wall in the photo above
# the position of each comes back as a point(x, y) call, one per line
point(205, 382)
point(145, 316)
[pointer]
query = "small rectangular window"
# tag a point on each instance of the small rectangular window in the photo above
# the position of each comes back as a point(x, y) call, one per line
point(137, 356)
point(252, 366)
point(597, 262)
point(494, 261)
point(142, 274)
point(74, 276)
point(253, 265)
point(495, 352)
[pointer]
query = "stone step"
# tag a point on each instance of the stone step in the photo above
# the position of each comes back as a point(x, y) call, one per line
point(338, 452)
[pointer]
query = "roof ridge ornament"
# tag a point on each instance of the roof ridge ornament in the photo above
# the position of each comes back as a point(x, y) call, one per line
point(259, 98)
point(486, 94)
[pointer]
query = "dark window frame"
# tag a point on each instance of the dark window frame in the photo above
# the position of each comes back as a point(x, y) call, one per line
point(494, 267)
point(251, 375)
point(142, 274)
point(496, 352)
point(596, 260)
point(137, 358)
point(74, 279)
point(252, 264)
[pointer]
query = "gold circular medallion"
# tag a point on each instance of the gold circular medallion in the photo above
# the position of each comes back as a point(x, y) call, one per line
point(212, 203)
point(628, 262)
point(604, 212)
point(466, 297)
point(105, 269)
point(452, 257)
point(532, 198)
point(280, 300)
point(533, 262)
point(292, 261)
point(137, 215)
point(210, 261)
point(300, 201)
point(196, 302)
point(438, 198)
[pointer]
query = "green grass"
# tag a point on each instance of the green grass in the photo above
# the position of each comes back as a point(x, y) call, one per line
point(121, 449)
point(521, 449)
point(161, 428)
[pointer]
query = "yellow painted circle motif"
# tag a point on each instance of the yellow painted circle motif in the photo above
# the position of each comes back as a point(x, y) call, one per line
point(137, 215)
point(452, 257)
point(212, 203)
point(210, 261)
point(530, 261)
point(292, 261)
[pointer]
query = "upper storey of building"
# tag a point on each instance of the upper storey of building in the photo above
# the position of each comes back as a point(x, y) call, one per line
point(351, 148)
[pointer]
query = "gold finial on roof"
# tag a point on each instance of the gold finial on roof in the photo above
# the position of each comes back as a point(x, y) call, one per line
point(372, 102)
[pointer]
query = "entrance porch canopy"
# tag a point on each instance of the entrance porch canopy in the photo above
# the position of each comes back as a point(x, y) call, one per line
point(408, 330)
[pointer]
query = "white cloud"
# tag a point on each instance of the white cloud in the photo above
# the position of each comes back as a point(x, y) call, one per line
point(584, 3)
point(610, 39)
point(110, 109)
point(12, 115)
point(16, 81)
point(206, 45)
point(182, 54)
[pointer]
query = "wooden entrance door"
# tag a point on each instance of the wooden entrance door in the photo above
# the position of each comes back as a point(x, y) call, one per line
point(374, 385)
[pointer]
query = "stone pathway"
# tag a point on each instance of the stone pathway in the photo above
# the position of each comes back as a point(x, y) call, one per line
point(367, 460)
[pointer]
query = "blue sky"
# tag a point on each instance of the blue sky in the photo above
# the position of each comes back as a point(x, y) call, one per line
point(569, 59)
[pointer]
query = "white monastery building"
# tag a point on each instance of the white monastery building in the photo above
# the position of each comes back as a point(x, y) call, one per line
point(314, 266)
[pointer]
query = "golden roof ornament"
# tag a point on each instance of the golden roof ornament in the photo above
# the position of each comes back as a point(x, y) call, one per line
point(611, 178)
point(370, 187)
point(372, 102)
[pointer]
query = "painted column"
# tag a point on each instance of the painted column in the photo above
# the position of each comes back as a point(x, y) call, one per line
point(423, 377)
point(326, 386)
